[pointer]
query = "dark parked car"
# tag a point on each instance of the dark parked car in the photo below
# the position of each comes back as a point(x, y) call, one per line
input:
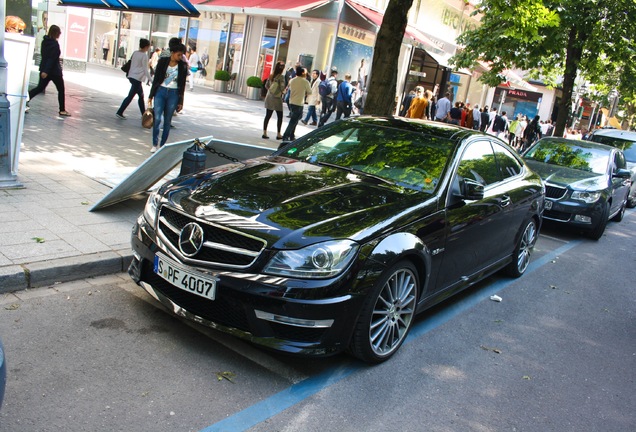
point(626, 141)
point(586, 183)
point(338, 239)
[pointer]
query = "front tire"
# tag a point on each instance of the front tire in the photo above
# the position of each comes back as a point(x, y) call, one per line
point(599, 229)
point(387, 314)
point(521, 255)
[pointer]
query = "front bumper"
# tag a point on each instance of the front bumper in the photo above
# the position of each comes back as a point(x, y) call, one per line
point(254, 307)
point(575, 213)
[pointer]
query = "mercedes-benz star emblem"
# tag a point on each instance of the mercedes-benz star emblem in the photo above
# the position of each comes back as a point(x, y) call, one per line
point(191, 239)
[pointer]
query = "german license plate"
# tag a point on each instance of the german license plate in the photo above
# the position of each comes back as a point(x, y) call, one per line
point(186, 279)
point(548, 205)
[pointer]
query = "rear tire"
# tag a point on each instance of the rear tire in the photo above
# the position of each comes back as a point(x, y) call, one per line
point(599, 229)
point(521, 255)
point(387, 314)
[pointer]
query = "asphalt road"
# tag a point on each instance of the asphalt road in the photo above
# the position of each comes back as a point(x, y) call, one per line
point(557, 354)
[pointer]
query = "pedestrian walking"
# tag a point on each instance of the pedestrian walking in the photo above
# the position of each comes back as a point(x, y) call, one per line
point(313, 100)
point(299, 89)
point(485, 119)
point(455, 114)
point(51, 69)
point(417, 107)
point(137, 74)
point(406, 102)
point(532, 133)
point(343, 98)
point(194, 62)
point(168, 88)
point(476, 117)
point(152, 63)
point(274, 99)
point(442, 109)
point(328, 96)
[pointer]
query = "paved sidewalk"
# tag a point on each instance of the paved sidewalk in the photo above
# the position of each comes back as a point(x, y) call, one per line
point(48, 234)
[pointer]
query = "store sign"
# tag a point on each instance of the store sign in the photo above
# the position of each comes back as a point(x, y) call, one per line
point(77, 37)
point(417, 73)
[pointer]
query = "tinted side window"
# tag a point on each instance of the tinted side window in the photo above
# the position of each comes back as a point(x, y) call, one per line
point(509, 166)
point(478, 163)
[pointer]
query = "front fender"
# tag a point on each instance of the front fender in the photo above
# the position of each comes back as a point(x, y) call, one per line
point(394, 248)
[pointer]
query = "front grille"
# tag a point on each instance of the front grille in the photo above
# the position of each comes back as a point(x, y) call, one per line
point(222, 247)
point(554, 192)
point(222, 310)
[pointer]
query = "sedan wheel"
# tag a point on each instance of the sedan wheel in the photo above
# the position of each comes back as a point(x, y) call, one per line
point(387, 314)
point(599, 229)
point(521, 256)
point(621, 213)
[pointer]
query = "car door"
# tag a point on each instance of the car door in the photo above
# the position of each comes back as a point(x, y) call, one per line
point(477, 229)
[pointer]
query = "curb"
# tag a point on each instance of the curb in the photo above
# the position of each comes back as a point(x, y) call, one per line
point(50, 272)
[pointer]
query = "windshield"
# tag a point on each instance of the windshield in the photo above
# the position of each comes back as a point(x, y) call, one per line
point(570, 155)
point(406, 158)
point(628, 147)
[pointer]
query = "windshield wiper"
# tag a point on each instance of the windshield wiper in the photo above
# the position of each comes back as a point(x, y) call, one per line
point(355, 171)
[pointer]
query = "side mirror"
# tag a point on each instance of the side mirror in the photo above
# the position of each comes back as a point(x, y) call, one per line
point(471, 190)
point(622, 173)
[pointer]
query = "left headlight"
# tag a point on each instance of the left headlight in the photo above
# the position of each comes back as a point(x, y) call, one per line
point(320, 260)
point(150, 211)
point(586, 197)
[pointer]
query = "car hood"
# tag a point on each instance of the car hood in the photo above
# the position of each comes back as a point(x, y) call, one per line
point(291, 203)
point(568, 177)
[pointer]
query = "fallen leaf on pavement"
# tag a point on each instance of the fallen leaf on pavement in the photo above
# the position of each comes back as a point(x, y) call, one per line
point(226, 375)
point(12, 306)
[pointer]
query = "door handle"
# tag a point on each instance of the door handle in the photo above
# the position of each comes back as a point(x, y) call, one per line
point(505, 201)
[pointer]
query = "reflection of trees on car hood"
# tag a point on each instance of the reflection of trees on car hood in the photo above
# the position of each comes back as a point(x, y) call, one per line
point(564, 176)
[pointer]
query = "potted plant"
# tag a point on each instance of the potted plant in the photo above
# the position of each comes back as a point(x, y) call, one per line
point(254, 86)
point(221, 79)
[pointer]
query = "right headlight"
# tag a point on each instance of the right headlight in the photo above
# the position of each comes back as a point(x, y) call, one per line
point(586, 197)
point(320, 260)
point(150, 211)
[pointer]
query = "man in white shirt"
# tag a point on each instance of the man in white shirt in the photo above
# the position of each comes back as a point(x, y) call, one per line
point(299, 89)
point(476, 117)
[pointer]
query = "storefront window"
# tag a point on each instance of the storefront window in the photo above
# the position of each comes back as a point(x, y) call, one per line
point(268, 49)
point(208, 35)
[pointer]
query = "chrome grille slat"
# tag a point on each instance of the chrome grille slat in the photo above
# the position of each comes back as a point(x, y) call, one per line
point(226, 247)
point(555, 192)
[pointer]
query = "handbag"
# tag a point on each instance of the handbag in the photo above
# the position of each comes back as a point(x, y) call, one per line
point(126, 66)
point(148, 118)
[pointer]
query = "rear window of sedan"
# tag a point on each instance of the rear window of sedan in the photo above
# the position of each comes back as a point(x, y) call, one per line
point(570, 155)
point(628, 147)
point(404, 157)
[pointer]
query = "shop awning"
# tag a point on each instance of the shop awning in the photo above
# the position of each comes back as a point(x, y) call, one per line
point(325, 9)
point(515, 81)
point(410, 32)
point(164, 7)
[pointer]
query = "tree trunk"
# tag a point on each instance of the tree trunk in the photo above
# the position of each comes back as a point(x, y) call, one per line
point(573, 57)
point(381, 97)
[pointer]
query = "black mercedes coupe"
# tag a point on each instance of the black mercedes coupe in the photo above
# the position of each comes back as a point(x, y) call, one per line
point(338, 239)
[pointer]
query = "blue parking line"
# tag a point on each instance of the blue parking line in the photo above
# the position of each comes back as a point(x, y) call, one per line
point(296, 393)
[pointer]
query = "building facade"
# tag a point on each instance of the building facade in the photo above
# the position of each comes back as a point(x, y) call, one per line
point(247, 37)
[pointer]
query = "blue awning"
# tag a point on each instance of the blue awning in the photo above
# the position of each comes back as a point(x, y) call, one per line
point(164, 7)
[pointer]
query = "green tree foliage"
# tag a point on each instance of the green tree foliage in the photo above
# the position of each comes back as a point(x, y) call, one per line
point(551, 38)
point(379, 100)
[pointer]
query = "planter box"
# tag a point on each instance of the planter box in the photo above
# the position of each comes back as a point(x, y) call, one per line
point(220, 86)
point(253, 93)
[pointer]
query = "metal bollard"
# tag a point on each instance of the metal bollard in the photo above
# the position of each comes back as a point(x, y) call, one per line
point(193, 159)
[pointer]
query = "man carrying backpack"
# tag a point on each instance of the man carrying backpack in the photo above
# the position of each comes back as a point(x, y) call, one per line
point(327, 90)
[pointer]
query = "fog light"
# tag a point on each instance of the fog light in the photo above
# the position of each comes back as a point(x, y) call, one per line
point(582, 219)
point(281, 319)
